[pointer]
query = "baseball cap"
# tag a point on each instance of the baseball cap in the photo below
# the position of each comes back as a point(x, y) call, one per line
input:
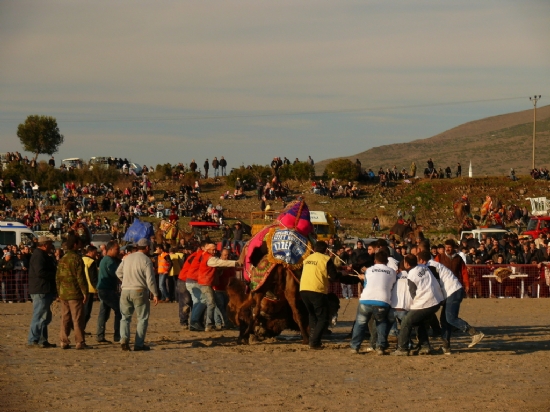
point(143, 242)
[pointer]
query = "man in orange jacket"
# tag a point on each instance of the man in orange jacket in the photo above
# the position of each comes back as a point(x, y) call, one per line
point(164, 264)
point(185, 302)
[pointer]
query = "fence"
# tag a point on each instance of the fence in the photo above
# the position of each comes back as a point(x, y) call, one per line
point(522, 281)
point(15, 286)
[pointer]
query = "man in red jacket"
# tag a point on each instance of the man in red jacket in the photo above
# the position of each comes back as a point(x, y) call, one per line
point(191, 284)
point(207, 270)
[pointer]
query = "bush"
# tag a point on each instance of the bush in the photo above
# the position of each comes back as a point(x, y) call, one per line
point(163, 171)
point(300, 171)
point(190, 177)
point(250, 175)
point(343, 169)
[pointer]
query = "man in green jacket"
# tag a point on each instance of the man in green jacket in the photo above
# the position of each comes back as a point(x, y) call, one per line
point(72, 289)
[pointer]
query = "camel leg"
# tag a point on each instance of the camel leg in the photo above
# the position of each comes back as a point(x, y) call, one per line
point(291, 295)
point(257, 299)
point(243, 335)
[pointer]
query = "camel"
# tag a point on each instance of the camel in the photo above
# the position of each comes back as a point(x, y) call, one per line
point(272, 261)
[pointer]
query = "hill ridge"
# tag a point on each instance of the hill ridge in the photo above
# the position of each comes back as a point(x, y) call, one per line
point(494, 144)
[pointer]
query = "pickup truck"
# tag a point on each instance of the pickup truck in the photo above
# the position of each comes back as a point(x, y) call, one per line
point(478, 233)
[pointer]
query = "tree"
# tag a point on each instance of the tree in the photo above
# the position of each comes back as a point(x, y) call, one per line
point(40, 135)
point(341, 169)
point(300, 171)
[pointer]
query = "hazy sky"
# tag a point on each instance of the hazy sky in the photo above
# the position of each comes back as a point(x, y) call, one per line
point(168, 81)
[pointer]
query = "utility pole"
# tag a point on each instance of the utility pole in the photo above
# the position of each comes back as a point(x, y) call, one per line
point(534, 99)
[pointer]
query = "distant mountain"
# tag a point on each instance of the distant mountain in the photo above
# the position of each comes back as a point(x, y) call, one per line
point(494, 145)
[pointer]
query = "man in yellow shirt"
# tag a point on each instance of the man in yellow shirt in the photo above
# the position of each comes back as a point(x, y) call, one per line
point(318, 270)
point(177, 257)
point(91, 270)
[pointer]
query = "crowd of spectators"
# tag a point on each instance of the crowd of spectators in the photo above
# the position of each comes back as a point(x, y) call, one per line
point(335, 189)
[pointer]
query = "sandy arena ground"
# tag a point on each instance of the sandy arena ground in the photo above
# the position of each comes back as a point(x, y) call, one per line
point(508, 371)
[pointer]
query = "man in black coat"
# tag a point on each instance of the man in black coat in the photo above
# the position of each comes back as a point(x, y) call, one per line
point(206, 166)
point(42, 289)
point(360, 257)
point(223, 165)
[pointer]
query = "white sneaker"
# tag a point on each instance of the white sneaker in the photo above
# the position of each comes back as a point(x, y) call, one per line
point(476, 339)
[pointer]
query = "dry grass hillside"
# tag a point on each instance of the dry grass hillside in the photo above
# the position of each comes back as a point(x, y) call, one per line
point(494, 145)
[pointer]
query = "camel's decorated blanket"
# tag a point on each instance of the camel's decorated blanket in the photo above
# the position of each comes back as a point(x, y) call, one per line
point(288, 241)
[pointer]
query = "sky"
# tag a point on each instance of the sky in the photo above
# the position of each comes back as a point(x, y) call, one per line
point(171, 81)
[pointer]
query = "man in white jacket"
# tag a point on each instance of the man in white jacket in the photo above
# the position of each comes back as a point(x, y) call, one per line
point(426, 298)
point(453, 292)
point(374, 303)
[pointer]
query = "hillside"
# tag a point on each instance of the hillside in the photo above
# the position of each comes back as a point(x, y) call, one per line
point(432, 200)
point(494, 145)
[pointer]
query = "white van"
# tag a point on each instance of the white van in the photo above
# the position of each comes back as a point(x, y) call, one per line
point(15, 233)
point(100, 162)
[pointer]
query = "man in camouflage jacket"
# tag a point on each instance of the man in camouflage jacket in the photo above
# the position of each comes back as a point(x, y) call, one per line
point(72, 289)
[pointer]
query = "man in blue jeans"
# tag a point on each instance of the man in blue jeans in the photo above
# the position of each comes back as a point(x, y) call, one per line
point(43, 291)
point(374, 303)
point(138, 278)
point(192, 285)
point(107, 290)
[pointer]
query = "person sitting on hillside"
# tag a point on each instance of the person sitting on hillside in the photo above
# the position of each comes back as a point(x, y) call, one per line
point(238, 194)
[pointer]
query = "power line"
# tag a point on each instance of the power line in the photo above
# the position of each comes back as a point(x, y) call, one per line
point(274, 113)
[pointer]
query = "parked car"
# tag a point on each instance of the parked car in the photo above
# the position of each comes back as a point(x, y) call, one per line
point(15, 233)
point(100, 239)
point(134, 167)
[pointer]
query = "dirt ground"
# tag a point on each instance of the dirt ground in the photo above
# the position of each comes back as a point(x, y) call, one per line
point(509, 370)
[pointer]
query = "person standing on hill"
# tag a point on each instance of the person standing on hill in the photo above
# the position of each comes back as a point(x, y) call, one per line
point(223, 165)
point(216, 166)
point(206, 166)
point(413, 169)
point(458, 170)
